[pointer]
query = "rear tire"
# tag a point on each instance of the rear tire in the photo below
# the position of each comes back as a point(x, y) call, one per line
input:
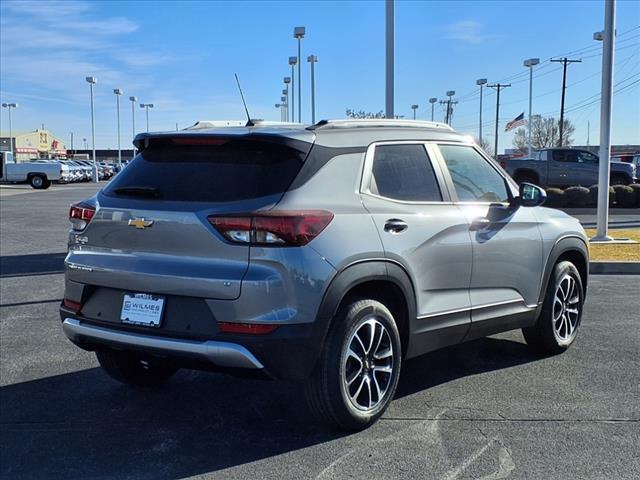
point(561, 316)
point(39, 182)
point(134, 370)
point(357, 374)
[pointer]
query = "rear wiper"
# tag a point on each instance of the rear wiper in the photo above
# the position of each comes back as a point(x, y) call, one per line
point(138, 191)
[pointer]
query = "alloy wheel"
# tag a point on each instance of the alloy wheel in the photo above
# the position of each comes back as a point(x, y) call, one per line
point(566, 309)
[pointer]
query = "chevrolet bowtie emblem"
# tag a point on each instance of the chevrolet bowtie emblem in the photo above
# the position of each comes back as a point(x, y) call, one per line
point(140, 223)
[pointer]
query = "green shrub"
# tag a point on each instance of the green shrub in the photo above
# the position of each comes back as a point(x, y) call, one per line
point(593, 196)
point(576, 196)
point(636, 188)
point(625, 196)
point(555, 198)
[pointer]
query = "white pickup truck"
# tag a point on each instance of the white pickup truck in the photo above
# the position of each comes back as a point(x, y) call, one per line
point(38, 174)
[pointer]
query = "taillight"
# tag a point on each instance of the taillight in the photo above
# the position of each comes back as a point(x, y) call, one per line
point(71, 305)
point(285, 229)
point(250, 328)
point(80, 214)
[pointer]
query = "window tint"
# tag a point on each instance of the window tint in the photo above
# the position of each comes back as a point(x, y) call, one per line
point(235, 170)
point(404, 172)
point(474, 179)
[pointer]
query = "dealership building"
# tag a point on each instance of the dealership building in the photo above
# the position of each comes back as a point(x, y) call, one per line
point(37, 144)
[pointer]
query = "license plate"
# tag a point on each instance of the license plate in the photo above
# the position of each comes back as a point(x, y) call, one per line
point(142, 309)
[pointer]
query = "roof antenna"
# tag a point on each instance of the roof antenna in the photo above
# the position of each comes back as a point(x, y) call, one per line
point(249, 122)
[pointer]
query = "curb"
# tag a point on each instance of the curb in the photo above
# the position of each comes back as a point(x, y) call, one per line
point(614, 268)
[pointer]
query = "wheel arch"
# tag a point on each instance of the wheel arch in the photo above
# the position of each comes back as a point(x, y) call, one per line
point(382, 280)
point(574, 249)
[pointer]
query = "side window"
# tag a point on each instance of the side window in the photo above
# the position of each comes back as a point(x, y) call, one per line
point(558, 155)
point(474, 179)
point(587, 157)
point(571, 156)
point(404, 172)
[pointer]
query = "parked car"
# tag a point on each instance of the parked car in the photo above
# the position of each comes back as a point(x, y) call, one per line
point(565, 167)
point(38, 174)
point(328, 254)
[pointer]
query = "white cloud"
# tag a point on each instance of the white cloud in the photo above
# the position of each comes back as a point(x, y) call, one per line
point(468, 31)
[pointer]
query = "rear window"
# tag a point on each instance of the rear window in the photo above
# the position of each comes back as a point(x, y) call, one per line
point(235, 170)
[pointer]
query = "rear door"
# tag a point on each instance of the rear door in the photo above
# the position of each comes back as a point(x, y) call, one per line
point(151, 231)
point(506, 241)
point(424, 231)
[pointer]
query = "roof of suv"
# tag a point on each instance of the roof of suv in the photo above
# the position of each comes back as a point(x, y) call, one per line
point(331, 133)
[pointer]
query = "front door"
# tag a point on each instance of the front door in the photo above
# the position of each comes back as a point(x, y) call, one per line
point(424, 231)
point(506, 242)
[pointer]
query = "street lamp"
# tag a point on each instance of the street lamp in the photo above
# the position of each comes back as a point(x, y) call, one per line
point(530, 63)
point(450, 94)
point(432, 101)
point(293, 61)
point(133, 101)
point(285, 93)
point(313, 59)
point(287, 81)
point(414, 108)
point(147, 106)
point(9, 106)
point(279, 105)
point(86, 147)
point(298, 33)
point(92, 81)
point(480, 82)
point(118, 92)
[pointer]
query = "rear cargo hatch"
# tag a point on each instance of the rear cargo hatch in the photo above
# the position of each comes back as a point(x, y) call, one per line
point(150, 233)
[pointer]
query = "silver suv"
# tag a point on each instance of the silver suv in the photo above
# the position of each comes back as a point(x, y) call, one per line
point(329, 253)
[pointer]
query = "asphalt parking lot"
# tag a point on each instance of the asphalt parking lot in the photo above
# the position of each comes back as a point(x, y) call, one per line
point(488, 409)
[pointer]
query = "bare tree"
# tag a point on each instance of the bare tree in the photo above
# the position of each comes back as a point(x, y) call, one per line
point(486, 146)
point(545, 133)
point(362, 114)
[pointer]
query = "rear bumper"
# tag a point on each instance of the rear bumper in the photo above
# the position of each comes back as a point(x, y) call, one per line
point(221, 354)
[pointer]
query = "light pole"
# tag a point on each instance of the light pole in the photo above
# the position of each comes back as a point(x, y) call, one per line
point(283, 104)
point(133, 101)
point(71, 140)
point(92, 81)
point(481, 82)
point(530, 63)
point(608, 54)
point(313, 59)
point(389, 57)
point(9, 106)
point(279, 105)
point(286, 102)
point(298, 33)
point(287, 81)
point(414, 108)
point(450, 102)
point(293, 61)
point(432, 101)
point(118, 92)
point(147, 106)
point(86, 147)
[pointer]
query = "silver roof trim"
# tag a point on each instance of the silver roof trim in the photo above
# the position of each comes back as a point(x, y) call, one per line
point(381, 122)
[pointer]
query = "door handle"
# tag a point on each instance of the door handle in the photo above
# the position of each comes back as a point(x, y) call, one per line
point(395, 225)
point(479, 223)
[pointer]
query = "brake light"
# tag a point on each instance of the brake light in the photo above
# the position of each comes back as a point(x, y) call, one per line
point(70, 304)
point(283, 228)
point(80, 214)
point(250, 328)
point(199, 141)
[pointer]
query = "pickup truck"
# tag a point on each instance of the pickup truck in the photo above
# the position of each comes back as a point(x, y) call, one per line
point(38, 174)
point(565, 167)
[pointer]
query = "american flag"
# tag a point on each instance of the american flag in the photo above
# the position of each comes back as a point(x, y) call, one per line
point(516, 122)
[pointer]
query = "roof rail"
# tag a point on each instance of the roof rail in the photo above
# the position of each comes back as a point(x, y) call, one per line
point(204, 124)
point(378, 122)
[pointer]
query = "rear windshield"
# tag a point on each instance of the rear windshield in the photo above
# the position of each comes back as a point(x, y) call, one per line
point(235, 170)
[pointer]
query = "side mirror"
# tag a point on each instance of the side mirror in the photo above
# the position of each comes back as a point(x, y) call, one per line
point(530, 195)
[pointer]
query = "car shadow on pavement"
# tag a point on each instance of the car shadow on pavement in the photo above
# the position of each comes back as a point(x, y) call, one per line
point(83, 424)
point(36, 264)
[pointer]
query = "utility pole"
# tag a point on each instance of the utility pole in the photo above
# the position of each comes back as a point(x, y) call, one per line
point(565, 61)
point(449, 107)
point(389, 59)
point(480, 82)
point(497, 87)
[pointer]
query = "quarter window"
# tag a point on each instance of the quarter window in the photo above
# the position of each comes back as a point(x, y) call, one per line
point(404, 172)
point(474, 179)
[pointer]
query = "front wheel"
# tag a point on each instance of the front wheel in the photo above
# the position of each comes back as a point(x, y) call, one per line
point(357, 373)
point(557, 326)
point(134, 370)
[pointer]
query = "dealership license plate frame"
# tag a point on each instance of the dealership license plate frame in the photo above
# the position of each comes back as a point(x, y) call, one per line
point(143, 309)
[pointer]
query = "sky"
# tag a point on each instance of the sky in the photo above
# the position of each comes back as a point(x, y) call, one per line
point(182, 56)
